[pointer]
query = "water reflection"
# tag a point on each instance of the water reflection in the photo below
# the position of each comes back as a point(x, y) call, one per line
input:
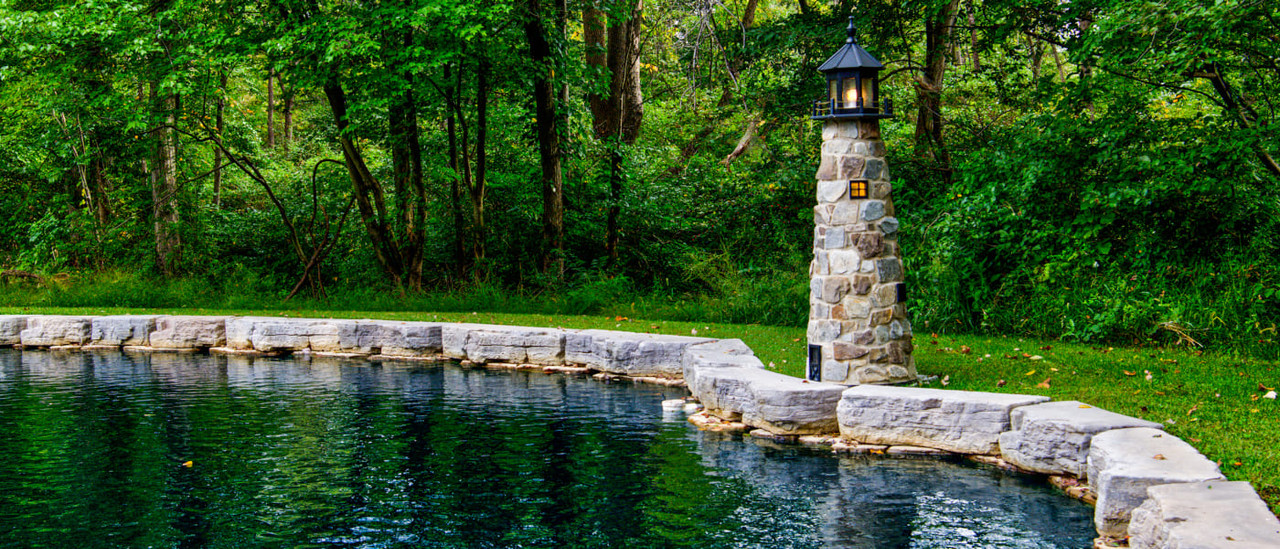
point(335, 453)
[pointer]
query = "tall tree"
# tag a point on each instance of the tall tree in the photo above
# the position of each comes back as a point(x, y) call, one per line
point(939, 28)
point(617, 116)
point(547, 120)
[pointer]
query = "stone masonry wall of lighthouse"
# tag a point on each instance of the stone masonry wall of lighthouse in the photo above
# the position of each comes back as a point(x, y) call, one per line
point(855, 315)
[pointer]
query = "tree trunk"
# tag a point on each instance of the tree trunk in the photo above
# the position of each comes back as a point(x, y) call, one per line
point(804, 7)
point(546, 119)
point(219, 127)
point(288, 118)
point(271, 109)
point(164, 187)
point(479, 230)
point(1245, 115)
point(973, 37)
point(616, 119)
point(370, 201)
point(452, 93)
point(938, 32)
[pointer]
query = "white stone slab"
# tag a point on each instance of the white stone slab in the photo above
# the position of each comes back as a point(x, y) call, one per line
point(189, 332)
point(11, 327)
point(122, 329)
point(1054, 437)
point(780, 404)
point(506, 344)
point(628, 353)
point(957, 421)
point(786, 405)
point(1203, 515)
point(56, 330)
point(724, 353)
point(1123, 463)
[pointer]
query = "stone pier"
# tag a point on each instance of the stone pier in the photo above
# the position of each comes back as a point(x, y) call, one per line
point(857, 313)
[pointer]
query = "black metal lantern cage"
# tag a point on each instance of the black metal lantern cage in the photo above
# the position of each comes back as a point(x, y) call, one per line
point(853, 84)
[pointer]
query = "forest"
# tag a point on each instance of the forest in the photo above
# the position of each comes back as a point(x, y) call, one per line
point(1096, 171)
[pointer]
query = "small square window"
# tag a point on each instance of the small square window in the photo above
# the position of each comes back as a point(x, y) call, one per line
point(857, 188)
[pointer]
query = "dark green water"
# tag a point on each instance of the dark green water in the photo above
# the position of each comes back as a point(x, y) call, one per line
point(331, 453)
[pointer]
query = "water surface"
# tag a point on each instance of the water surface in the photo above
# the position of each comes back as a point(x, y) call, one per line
point(333, 453)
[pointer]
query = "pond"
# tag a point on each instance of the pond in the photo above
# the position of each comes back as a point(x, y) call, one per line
point(189, 450)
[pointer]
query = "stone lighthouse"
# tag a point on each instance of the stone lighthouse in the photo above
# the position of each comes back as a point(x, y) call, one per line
point(858, 327)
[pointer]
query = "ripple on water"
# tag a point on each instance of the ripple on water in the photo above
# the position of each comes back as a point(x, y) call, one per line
point(342, 453)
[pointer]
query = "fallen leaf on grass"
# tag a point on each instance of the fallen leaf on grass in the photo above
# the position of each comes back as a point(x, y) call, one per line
point(1044, 384)
point(1271, 395)
point(1149, 376)
point(1031, 373)
point(964, 350)
point(1262, 387)
point(796, 339)
point(1036, 357)
point(1238, 463)
point(1130, 374)
point(1193, 409)
point(1025, 355)
point(946, 380)
point(1047, 348)
point(1001, 383)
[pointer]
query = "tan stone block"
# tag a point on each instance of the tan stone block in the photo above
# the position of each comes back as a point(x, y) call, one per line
point(868, 244)
point(898, 351)
point(864, 337)
point(884, 295)
point(837, 146)
point(869, 129)
point(852, 325)
point(845, 351)
point(862, 284)
point(857, 307)
point(822, 214)
point(851, 166)
point(878, 354)
point(881, 317)
point(881, 190)
point(871, 373)
point(836, 313)
point(827, 169)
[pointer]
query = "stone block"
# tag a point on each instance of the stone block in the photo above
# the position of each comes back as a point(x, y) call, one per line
point(872, 210)
point(122, 330)
point(864, 337)
point(832, 129)
point(862, 284)
point(845, 351)
point(1123, 463)
point(11, 327)
point(626, 353)
point(850, 167)
point(834, 239)
point(881, 190)
point(868, 244)
point(724, 353)
point(869, 129)
point(827, 169)
point(822, 214)
point(56, 330)
point(189, 332)
point(785, 405)
point(875, 169)
point(1054, 437)
point(889, 270)
point(830, 289)
point(835, 371)
point(844, 213)
point(843, 262)
point(837, 146)
point(780, 404)
point(511, 344)
point(1203, 515)
point(957, 421)
point(831, 191)
point(823, 331)
point(884, 295)
point(856, 307)
point(274, 334)
point(889, 225)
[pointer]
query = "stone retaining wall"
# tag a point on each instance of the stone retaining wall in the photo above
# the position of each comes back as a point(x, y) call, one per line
point(1135, 469)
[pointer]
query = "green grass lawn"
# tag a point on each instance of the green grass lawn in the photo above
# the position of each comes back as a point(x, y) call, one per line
point(1213, 401)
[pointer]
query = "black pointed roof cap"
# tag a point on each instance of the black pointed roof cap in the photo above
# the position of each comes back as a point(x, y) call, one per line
point(851, 55)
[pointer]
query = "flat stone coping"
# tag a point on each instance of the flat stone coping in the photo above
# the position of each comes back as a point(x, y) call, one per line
point(1134, 469)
